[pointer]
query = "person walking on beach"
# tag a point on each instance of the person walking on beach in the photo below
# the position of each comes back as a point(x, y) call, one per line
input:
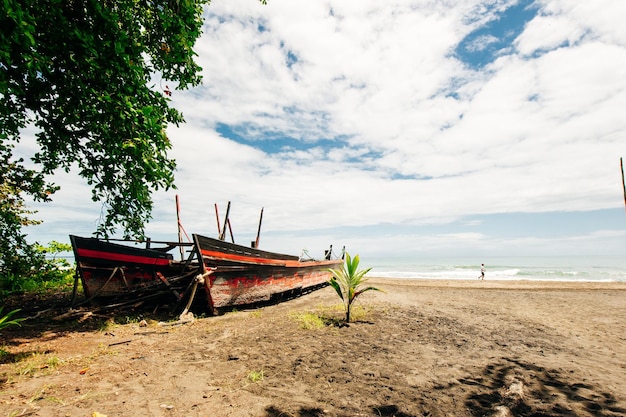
point(482, 272)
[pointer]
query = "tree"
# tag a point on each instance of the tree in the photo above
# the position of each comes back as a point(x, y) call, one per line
point(347, 282)
point(91, 77)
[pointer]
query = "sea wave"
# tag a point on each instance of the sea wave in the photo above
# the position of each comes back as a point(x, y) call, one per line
point(534, 269)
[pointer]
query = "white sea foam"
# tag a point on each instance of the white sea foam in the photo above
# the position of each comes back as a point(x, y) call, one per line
point(593, 269)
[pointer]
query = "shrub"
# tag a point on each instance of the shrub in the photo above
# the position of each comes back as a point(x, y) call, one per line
point(5, 322)
point(42, 269)
point(347, 282)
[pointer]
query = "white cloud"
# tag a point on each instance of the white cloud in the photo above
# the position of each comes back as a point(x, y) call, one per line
point(481, 43)
point(540, 129)
point(601, 17)
point(545, 33)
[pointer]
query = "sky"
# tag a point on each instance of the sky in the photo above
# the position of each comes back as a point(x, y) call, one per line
point(397, 127)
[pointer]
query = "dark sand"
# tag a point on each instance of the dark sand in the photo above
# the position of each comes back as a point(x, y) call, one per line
point(423, 348)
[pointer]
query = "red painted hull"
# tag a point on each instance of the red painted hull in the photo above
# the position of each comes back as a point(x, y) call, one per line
point(240, 275)
point(235, 275)
point(108, 269)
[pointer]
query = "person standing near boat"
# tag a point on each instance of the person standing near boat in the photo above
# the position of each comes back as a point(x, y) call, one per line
point(482, 272)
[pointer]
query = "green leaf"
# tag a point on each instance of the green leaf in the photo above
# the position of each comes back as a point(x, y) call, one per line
point(5, 322)
point(346, 281)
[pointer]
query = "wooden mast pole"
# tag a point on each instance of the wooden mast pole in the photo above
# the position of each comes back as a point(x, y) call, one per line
point(258, 233)
point(223, 234)
point(217, 218)
point(180, 232)
point(621, 162)
point(230, 229)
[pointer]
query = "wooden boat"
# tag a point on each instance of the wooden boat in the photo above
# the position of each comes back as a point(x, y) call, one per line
point(238, 275)
point(231, 274)
point(108, 269)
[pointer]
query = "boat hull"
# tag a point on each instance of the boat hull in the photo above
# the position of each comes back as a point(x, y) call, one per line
point(108, 269)
point(233, 275)
point(238, 275)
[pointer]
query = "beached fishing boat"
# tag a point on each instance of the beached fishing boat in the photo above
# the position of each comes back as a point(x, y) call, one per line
point(107, 269)
point(231, 274)
point(238, 275)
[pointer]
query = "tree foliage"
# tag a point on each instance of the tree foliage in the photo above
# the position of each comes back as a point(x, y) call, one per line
point(35, 268)
point(91, 78)
point(14, 249)
point(347, 282)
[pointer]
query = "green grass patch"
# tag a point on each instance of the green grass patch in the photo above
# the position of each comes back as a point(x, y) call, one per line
point(256, 314)
point(309, 321)
point(330, 316)
point(256, 376)
point(37, 362)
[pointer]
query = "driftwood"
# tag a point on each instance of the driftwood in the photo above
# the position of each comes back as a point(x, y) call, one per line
point(40, 313)
point(83, 314)
point(120, 343)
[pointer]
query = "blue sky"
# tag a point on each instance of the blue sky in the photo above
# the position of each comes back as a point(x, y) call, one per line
point(399, 127)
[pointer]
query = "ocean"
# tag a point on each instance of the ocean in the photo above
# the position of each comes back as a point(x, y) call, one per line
point(533, 268)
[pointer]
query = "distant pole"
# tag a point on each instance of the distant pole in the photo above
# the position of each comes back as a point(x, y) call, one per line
point(621, 162)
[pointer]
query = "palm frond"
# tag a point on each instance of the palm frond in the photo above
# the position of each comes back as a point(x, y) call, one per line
point(335, 284)
point(5, 322)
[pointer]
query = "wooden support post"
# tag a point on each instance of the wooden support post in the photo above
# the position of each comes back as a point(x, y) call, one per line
point(99, 290)
point(168, 285)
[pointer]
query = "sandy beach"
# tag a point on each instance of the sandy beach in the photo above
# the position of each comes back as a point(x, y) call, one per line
point(421, 348)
